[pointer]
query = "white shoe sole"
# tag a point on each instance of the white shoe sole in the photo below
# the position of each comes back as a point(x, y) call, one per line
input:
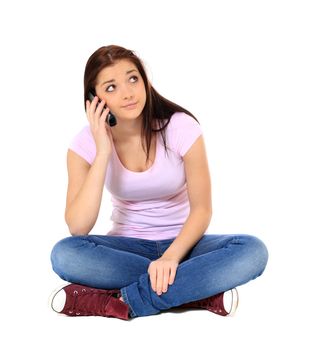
point(234, 302)
point(52, 297)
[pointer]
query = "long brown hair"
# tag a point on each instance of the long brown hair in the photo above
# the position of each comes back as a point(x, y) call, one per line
point(156, 107)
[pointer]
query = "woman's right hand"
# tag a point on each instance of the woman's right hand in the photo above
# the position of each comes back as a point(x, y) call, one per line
point(100, 129)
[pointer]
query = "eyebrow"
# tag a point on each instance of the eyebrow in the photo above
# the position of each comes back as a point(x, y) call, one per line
point(112, 80)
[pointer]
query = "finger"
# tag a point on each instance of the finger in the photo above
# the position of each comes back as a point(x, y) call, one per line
point(166, 278)
point(87, 104)
point(159, 281)
point(172, 276)
point(153, 278)
point(93, 108)
point(99, 109)
point(90, 110)
point(93, 103)
point(103, 116)
point(98, 113)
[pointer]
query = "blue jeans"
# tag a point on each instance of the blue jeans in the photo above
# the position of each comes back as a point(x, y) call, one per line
point(215, 264)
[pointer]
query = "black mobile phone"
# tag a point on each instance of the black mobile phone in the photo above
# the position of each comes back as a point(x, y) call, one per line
point(110, 119)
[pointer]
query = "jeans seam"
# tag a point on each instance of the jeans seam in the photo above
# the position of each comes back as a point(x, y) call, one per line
point(125, 297)
point(158, 249)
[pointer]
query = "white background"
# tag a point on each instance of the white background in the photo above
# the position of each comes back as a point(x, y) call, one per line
point(245, 69)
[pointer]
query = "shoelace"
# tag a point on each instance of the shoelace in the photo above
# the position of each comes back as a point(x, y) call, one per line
point(91, 302)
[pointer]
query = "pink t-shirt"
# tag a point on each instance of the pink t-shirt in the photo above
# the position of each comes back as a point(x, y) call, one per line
point(152, 204)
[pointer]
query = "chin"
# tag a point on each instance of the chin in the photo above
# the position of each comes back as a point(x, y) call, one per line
point(132, 114)
point(129, 116)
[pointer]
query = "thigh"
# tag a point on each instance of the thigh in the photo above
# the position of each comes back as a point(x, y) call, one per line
point(101, 261)
point(210, 243)
point(249, 248)
point(144, 247)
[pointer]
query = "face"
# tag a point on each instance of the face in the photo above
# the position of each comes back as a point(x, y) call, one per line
point(120, 85)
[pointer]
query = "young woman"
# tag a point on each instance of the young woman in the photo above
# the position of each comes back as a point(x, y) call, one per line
point(158, 255)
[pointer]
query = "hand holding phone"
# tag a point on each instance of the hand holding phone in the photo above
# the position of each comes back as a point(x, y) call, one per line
point(111, 119)
point(97, 113)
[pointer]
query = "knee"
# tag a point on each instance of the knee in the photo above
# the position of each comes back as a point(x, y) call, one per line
point(257, 253)
point(64, 253)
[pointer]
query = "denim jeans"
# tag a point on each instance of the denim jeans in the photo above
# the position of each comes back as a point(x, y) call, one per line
point(217, 263)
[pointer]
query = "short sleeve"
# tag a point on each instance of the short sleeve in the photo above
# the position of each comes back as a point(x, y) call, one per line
point(84, 145)
point(185, 131)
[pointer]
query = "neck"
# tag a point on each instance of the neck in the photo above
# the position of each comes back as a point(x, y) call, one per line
point(127, 130)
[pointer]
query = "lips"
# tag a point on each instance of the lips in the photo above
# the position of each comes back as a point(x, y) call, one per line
point(130, 105)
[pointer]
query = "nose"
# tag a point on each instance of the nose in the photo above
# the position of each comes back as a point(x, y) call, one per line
point(127, 93)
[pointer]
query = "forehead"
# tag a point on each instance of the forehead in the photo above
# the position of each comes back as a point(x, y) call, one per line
point(118, 68)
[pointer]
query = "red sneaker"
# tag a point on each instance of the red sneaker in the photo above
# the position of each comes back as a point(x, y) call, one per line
point(79, 300)
point(223, 304)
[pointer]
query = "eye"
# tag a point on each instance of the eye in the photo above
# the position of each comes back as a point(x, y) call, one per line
point(134, 76)
point(108, 88)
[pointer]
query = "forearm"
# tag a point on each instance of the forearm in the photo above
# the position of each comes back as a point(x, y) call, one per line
point(192, 231)
point(84, 209)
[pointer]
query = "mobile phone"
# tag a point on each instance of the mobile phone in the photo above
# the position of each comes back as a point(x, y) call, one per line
point(110, 119)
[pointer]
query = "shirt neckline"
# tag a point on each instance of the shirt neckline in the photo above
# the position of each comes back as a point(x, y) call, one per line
point(139, 172)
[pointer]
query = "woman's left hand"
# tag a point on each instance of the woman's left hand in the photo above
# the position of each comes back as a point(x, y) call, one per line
point(162, 273)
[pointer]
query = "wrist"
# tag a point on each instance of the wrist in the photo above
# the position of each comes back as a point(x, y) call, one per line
point(171, 255)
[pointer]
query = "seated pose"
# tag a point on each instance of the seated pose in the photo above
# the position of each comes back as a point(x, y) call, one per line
point(150, 154)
